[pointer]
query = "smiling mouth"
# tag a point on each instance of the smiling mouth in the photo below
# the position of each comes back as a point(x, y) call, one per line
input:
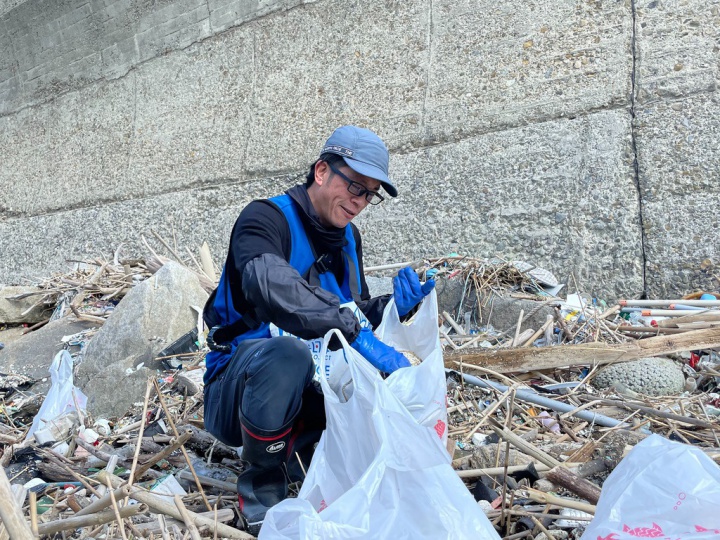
point(348, 212)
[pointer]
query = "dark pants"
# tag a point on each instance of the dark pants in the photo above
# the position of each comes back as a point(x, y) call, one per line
point(268, 383)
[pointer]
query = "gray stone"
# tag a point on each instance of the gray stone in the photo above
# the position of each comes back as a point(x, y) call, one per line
point(500, 312)
point(33, 353)
point(151, 316)
point(14, 310)
point(650, 376)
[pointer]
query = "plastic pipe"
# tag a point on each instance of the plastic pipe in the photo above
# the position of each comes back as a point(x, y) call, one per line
point(686, 307)
point(532, 397)
point(661, 303)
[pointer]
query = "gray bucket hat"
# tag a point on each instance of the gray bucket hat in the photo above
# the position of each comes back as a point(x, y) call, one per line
point(364, 152)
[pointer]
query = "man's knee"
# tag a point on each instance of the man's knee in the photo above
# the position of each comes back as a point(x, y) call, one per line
point(288, 354)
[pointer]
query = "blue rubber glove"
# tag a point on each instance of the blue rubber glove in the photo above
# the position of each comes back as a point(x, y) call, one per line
point(407, 290)
point(382, 356)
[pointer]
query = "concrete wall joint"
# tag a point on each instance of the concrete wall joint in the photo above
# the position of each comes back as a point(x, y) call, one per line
point(633, 138)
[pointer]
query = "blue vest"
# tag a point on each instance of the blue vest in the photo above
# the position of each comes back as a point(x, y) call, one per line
point(301, 258)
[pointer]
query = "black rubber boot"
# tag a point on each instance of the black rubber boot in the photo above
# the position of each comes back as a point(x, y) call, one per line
point(263, 483)
point(302, 444)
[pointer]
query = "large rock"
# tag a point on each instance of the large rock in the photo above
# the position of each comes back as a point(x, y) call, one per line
point(500, 312)
point(152, 315)
point(33, 353)
point(17, 305)
point(651, 376)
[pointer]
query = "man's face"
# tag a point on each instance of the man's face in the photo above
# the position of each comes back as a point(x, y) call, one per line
point(330, 197)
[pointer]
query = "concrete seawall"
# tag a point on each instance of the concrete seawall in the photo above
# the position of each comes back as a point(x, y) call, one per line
point(577, 135)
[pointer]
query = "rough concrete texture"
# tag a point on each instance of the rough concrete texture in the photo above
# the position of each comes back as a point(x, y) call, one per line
point(20, 304)
point(555, 194)
point(195, 216)
point(56, 46)
point(33, 353)
point(650, 376)
point(678, 146)
point(149, 318)
point(512, 128)
point(678, 126)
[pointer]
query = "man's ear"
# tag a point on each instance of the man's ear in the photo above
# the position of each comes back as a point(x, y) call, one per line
point(322, 171)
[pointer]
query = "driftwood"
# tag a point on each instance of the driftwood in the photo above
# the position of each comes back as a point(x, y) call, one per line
point(571, 481)
point(523, 359)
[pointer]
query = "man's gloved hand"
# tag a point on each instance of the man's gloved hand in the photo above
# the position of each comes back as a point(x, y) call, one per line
point(407, 290)
point(382, 356)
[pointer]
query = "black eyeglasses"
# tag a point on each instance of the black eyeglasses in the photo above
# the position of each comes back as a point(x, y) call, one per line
point(357, 189)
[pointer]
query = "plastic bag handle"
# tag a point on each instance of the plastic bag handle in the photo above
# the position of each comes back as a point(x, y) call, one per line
point(353, 359)
point(327, 391)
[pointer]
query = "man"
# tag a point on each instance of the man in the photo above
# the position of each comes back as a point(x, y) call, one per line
point(295, 267)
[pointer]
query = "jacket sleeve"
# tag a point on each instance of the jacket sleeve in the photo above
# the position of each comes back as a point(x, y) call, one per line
point(281, 296)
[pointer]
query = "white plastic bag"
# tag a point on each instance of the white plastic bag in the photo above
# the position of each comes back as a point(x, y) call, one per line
point(662, 489)
point(421, 389)
point(377, 474)
point(62, 397)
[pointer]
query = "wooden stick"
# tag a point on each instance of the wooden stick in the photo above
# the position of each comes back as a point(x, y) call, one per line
point(168, 416)
point(628, 329)
point(106, 457)
point(207, 262)
point(223, 516)
point(488, 412)
point(389, 266)
point(542, 527)
point(523, 445)
point(654, 412)
point(100, 518)
point(192, 529)
point(102, 503)
point(539, 358)
point(517, 329)
point(169, 449)
point(11, 513)
point(158, 505)
point(452, 323)
point(585, 489)
point(494, 471)
point(210, 482)
point(539, 332)
point(129, 427)
point(138, 444)
point(54, 458)
point(547, 498)
point(116, 509)
point(33, 513)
